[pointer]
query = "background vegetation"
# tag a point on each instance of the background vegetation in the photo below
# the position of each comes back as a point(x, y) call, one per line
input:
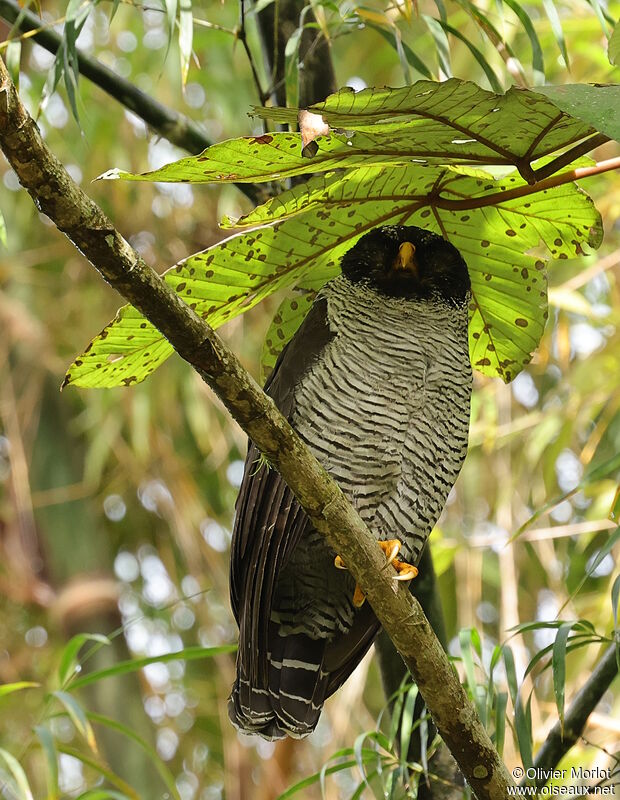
point(116, 506)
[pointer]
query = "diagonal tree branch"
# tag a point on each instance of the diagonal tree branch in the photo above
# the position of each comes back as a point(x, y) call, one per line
point(559, 741)
point(93, 234)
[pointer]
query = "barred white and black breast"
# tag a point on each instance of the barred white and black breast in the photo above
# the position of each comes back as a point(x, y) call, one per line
point(382, 401)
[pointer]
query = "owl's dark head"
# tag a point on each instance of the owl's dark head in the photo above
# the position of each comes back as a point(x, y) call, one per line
point(405, 261)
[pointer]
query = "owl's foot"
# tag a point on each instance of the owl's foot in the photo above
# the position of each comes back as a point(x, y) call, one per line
point(391, 547)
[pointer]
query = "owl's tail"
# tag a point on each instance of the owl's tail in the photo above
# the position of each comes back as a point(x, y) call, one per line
point(302, 672)
point(289, 701)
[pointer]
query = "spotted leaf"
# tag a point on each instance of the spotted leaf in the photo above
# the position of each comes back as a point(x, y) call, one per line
point(454, 122)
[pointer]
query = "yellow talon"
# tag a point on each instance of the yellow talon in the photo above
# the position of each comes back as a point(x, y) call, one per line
point(391, 548)
point(358, 597)
point(406, 572)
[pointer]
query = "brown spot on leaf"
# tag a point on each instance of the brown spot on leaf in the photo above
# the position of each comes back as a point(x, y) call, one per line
point(510, 232)
point(264, 139)
point(181, 286)
point(485, 243)
point(522, 323)
point(483, 362)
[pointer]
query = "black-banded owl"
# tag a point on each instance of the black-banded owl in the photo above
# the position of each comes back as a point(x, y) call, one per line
point(377, 382)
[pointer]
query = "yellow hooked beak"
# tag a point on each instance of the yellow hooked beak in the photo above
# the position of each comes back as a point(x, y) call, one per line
point(405, 259)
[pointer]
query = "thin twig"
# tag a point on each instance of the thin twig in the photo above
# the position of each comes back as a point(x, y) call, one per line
point(242, 37)
point(173, 126)
point(521, 191)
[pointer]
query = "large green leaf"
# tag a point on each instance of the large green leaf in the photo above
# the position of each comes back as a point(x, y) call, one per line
point(291, 313)
point(595, 105)
point(400, 160)
point(317, 222)
point(455, 122)
point(517, 124)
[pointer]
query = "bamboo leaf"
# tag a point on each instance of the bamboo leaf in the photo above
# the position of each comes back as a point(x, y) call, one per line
point(133, 665)
point(9, 688)
point(368, 755)
point(126, 791)
point(402, 49)
point(604, 18)
point(78, 717)
point(613, 49)
point(601, 471)
point(492, 78)
point(442, 46)
point(165, 774)
point(601, 554)
point(68, 659)
point(522, 722)
point(359, 752)
point(538, 64)
point(556, 27)
point(615, 594)
point(44, 735)
point(576, 642)
point(186, 32)
point(19, 776)
point(12, 57)
point(467, 639)
point(500, 721)
point(558, 665)
point(406, 722)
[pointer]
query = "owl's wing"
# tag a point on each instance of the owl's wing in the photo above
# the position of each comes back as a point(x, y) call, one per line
point(269, 520)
